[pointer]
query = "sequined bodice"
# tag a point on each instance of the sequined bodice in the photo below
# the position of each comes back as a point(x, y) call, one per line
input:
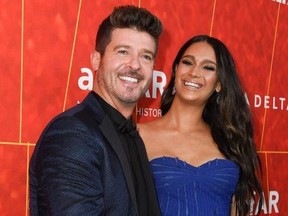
point(184, 189)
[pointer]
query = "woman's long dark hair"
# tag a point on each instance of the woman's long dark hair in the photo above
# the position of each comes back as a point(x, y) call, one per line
point(230, 121)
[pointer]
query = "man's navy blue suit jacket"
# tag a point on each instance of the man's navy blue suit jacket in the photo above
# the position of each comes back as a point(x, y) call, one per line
point(79, 166)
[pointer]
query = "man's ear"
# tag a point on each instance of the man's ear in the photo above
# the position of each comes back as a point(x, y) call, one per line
point(218, 87)
point(95, 60)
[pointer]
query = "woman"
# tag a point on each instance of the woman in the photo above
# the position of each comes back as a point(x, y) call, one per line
point(202, 151)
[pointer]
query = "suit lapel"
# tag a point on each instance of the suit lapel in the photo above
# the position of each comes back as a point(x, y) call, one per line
point(106, 127)
point(110, 134)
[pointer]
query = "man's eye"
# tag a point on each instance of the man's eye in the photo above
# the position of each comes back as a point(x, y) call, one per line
point(124, 52)
point(148, 57)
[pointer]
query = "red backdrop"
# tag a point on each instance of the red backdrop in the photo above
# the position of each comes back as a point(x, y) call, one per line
point(44, 62)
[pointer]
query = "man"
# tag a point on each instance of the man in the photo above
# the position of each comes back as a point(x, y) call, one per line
point(90, 159)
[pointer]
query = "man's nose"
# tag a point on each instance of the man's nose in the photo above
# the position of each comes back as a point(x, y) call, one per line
point(134, 63)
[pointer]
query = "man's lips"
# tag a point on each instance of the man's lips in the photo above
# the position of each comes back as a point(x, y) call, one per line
point(129, 79)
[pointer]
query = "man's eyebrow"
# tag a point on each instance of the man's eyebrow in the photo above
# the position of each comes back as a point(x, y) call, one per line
point(149, 51)
point(121, 46)
point(127, 47)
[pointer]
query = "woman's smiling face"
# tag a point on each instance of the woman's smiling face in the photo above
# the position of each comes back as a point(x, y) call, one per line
point(196, 73)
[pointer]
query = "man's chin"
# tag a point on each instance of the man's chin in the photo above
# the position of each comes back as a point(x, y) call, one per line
point(130, 98)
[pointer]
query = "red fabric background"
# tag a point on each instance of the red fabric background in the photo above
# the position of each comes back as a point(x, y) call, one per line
point(44, 45)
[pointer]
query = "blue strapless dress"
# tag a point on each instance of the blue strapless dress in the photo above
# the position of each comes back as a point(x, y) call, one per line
point(183, 189)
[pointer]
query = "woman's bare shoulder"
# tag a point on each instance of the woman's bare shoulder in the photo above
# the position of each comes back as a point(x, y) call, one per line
point(150, 126)
point(149, 132)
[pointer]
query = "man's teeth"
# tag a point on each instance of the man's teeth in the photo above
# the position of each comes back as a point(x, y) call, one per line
point(195, 85)
point(129, 79)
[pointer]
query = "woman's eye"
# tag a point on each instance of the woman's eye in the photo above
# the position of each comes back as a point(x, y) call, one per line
point(208, 67)
point(186, 62)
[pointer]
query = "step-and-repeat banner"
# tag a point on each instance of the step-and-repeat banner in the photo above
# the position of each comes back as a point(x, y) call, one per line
point(45, 69)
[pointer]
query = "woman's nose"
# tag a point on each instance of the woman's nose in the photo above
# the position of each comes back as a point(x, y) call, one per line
point(196, 72)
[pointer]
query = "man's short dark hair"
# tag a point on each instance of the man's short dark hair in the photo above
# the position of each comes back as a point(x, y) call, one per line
point(127, 17)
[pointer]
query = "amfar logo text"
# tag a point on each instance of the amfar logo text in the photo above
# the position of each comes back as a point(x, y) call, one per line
point(281, 1)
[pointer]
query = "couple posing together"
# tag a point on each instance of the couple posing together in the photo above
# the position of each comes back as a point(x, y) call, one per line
point(198, 159)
